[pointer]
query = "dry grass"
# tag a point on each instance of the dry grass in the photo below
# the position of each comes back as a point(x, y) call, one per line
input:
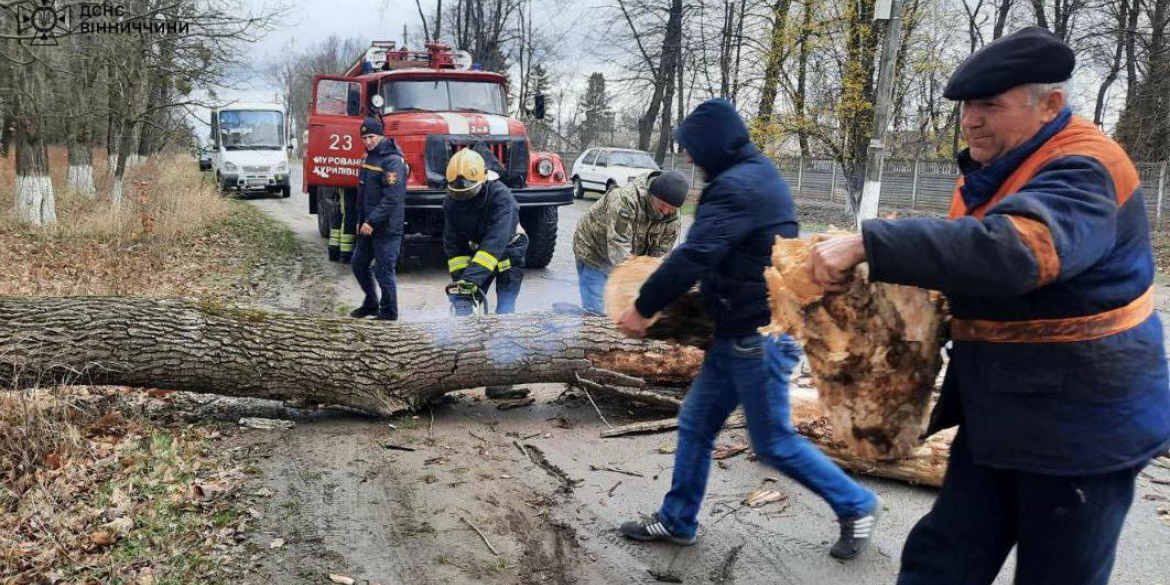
point(174, 235)
point(88, 495)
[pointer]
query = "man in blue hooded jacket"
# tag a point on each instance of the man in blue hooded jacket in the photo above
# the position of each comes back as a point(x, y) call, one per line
point(744, 206)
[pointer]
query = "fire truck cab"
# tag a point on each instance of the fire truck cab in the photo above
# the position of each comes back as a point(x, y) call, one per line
point(432, 103)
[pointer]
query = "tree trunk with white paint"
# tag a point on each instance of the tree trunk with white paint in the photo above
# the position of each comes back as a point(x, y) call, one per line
point(80, 176)
point(34, 189)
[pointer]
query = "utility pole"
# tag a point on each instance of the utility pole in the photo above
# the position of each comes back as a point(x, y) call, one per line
point(891, 12)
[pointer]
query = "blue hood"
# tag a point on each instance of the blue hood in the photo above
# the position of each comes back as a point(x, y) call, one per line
point(715, 137)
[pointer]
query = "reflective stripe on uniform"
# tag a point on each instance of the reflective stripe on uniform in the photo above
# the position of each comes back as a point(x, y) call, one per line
point(486, 260)
point(334, 237)
point(505, 264)
point(458, 263)
point(347, 242)
point(372, 167)
point(1085, 328)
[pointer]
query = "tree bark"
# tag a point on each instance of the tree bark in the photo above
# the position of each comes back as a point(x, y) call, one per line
point(774, 61)
point(874, 351)
point(1115, 65)
point(35, 202)
point(379, 368)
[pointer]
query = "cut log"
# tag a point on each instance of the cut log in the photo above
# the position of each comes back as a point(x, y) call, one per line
point(684, 321)
point(874, 350)
point(374, 367)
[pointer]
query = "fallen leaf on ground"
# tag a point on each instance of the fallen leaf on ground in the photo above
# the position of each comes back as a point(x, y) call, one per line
point(437, 460)
point(276, 543)
point(729, 450)
point(120, 526)
point(763, 496)
point(342, 579)
point(102, 537)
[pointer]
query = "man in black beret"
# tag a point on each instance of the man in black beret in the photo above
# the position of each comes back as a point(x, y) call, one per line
point(1057, 379)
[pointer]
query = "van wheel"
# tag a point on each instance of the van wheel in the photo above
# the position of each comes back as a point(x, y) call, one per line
point(578, 190)
point(285, 191)
point(540, 223)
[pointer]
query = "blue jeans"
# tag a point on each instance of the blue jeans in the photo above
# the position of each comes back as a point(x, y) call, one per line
point(752, 371)
point(382, 253)
point(591, 281)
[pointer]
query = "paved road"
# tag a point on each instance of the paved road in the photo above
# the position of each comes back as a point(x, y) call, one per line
point(784, 548)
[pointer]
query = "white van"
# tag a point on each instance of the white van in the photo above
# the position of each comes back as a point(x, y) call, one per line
point(250, 146)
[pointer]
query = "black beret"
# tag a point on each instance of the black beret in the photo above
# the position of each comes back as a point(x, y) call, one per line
point(371, 126)
point(1030, 55)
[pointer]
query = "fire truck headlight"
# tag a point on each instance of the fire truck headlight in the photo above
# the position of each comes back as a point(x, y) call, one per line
point(545, 167)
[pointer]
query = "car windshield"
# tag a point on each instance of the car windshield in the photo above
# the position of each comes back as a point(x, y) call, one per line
point(634, 160)
point(443, 95)
point(251, 130)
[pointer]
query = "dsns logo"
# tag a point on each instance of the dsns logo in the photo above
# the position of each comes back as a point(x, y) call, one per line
point(41, 21)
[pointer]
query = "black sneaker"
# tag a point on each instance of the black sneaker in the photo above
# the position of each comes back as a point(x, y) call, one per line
point(385, 317)
point(856, 533)
point(363, 312)
point(653, 529)
point(505, 392)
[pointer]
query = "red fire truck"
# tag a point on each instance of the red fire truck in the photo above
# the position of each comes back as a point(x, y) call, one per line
point(433, 103)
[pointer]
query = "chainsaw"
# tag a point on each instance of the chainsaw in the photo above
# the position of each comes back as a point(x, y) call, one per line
point(466, 299)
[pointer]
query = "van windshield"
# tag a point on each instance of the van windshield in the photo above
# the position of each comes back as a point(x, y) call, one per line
point(251, 130)
point(442, 95)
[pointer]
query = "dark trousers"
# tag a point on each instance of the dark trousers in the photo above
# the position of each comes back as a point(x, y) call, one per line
point(508, 277)
point(1065, 528)
point(382, 253)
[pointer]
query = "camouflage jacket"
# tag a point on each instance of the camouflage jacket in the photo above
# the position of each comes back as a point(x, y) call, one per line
point(621, 224)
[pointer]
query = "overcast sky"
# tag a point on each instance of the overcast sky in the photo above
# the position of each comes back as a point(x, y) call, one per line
point(307, 22)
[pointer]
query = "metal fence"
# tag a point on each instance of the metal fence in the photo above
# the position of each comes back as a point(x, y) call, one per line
point(915, 185)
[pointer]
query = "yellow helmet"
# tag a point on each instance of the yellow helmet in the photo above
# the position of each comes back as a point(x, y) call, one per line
point(466, 172)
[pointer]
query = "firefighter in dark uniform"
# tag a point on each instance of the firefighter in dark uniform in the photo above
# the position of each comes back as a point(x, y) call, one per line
point(482, 242)
point(379, 213)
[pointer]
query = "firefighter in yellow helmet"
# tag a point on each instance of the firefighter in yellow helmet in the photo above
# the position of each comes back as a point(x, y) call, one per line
point(482, 241)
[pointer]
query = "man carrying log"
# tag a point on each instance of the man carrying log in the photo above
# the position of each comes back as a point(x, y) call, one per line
point(1057, 378)
point(639, 218)
point(744, 207)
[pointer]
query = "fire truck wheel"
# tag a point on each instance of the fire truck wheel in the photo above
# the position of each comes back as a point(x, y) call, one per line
point(540, 223)
point(324, 218)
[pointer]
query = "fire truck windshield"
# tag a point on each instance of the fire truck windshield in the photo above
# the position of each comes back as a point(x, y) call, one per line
point(442, 95)
point(251, 130)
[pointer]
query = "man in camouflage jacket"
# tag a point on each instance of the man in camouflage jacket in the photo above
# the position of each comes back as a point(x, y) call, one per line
point(639, 219)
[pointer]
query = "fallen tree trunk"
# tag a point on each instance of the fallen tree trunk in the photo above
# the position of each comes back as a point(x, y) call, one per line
point(371, 366)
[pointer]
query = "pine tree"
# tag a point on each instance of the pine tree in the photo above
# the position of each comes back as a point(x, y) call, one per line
point(598, 116)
